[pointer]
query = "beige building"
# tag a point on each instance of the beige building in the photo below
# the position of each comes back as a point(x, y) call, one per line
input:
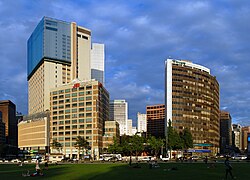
point(111, 132)
point(33, 133)
point(58, 52)
point(79, 109)
point(65, 56)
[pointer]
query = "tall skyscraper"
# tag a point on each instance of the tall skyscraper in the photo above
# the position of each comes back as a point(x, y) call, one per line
point(141, 122)
point(192, 101)
point(129, 128)
point(225, 131)
point(97, 62)
point(8, 110)
point(59, 52)
point(237, 135)
point(2, 130)
point(156, 120)
point(119, 112)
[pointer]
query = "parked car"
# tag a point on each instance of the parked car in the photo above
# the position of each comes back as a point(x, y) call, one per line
point(15, 161)
point(147, 158)
point(239, 157)
point(164, 158)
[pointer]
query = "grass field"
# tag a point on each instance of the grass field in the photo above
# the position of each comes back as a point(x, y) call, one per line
point(119, 171)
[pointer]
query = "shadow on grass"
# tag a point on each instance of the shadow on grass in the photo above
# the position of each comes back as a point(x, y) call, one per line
point(122, 171)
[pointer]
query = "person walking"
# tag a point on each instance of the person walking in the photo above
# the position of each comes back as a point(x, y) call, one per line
point(229, 168)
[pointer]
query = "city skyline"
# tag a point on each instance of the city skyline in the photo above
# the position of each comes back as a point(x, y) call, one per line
point(138, 38)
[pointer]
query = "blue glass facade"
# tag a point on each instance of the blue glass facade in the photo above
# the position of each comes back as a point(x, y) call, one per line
point(51, 39)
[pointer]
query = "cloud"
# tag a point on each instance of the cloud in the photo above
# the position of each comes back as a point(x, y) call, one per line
point(139, 36)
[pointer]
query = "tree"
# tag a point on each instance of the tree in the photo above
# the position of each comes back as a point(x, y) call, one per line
point(186, 138)
point(81, 144)
point(137, 144)
point(56, 145)
point(155, 144)
point(115, 147)
point(174, 141)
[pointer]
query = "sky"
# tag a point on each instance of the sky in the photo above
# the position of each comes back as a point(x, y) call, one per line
point(139, 35)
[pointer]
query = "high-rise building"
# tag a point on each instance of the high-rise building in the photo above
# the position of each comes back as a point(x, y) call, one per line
point(97, 62)
point(8, 110)
point(237, 136)
point(119, 112)
point(225, 131)
point(192, 101)
point(2, 130)
point(59, 52)
point(79, 108)
point(245, 132)
point(156, 120)
point(141, 122)
point(129, 127)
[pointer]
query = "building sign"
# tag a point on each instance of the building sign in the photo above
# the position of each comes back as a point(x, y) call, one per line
point(76, 85)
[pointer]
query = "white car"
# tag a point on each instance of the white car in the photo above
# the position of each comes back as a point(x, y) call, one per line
point(165, 158)
point(240, 157)
point(15, 161)
point(147, 158)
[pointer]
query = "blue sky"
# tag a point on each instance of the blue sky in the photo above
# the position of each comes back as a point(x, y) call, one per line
point(139, 36)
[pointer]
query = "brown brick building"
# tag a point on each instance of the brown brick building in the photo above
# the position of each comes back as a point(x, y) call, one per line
point(192, 101)
point(8, 110)
point(155, 120)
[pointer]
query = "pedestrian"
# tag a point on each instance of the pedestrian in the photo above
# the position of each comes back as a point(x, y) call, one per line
point(206, 160)
point(46, 165)
point(229, 168)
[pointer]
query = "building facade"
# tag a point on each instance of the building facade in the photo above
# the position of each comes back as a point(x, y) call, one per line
point(129, 127)
point(192, 101)
point(237, 135)
point(111, 133)
point(141, 122)
point(225, 132)
point(33, 133)
point(8, 110)
point(2, 130)
point(156, 120)
point(97, 62)
point(119, 112)
point(79, 109)
point(245, 132)
point(58, 52)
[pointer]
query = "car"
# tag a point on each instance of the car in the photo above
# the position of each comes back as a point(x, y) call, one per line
point(15, 161)
point(164, 158)
point(147, 158)
point(239, 157)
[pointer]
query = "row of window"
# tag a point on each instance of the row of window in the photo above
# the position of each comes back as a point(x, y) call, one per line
point(81, 93)
point(74, 100)
point(72, 110)
point(71, 90)
point(74, 121)
point(71, 132)
point(88, 126)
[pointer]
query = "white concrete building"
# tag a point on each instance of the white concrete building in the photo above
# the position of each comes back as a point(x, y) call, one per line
point(118, 111)
point(141, 122)
point(97, 62)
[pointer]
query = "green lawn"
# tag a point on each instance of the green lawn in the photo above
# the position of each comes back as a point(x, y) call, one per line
point(121, 171)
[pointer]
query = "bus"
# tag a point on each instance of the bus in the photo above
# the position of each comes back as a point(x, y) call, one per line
point(110, 157)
